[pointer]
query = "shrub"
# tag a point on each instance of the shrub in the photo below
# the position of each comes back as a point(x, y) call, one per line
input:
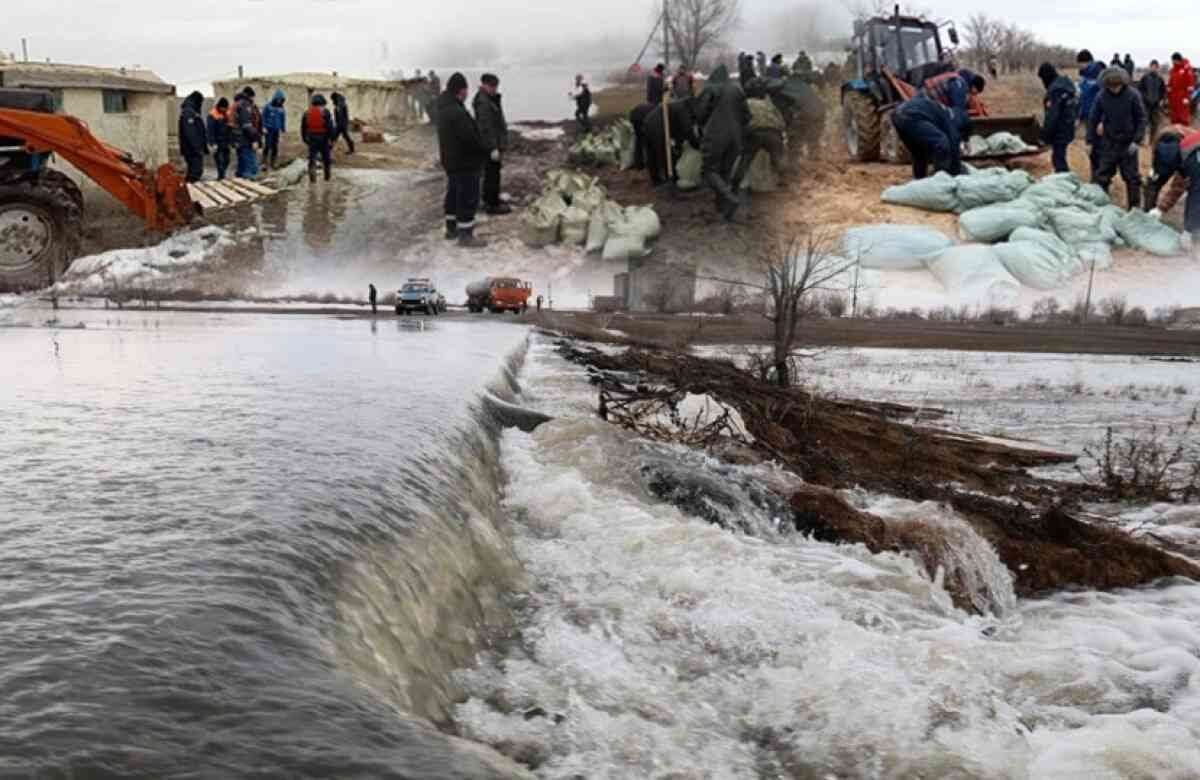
point(1114, 309)
point(1045, 310)
point(1157, 465)
point(1136, 317)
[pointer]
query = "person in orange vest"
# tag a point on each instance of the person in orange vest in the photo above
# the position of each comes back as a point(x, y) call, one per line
point(316, 128)
point(220, 135)
point(1179, 90)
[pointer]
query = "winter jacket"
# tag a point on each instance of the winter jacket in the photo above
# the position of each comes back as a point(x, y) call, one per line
point(923, 108)
point(682, 86)
point(489, 116)
point(247, 122)
point(219, 132)
point(656, 87)
point(193, 138)
point(274, 116)
point(1154, 91)
point(316, 122)
point(459, 145)
point(1089, 88)
point(1122, 115)
point(953, 90)
point(1188, 169)
point(1062, 110)
point(341, 113)
point(683, 123)
point(723, 112)
point(1180, 84)
point(1128, 65)
point(774, 71)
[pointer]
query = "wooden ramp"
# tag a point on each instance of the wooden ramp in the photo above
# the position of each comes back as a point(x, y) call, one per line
point(215, 195)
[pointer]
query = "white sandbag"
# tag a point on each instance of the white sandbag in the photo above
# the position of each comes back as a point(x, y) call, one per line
point(892, 247)
point(542, 219)
point(761, 175)
point(597, 233)
point(996, 144)
point(982, 190)
point(1109, 217)
point(574, 226)
point(989, 224)
point(644, 221)
point(974, 275)
point(590, 199)
point(1075, 225)
point(688, 169)
point(1144, 232)
point(622, 247)
point(1039, 259)
point(1057, 190)
point(1094, 194)
point(1097, 252)
point(935, 193)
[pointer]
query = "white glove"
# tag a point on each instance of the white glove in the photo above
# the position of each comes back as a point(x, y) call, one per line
point(1155, 214)
point(496, 155)
point(1133, 149)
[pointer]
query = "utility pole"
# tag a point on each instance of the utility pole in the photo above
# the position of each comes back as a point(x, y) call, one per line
point(241, 73)
point(666, 20)
point(24, 50)
point(1087, 303)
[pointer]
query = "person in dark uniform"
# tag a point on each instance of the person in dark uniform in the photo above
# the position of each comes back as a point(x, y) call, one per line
point(930, 132)
point(582, 95)
point(341, 119)
point(725, 116)
point(1062, 106)
point(373, 296)
point(1116, 128)
point(493, 129)
point(656, 84)
point(462, 155)
point(193, 139)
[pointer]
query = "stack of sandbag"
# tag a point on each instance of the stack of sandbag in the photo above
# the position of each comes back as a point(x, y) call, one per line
point(614, 146)
point(945, 193)
point(996, 144)
point(975, 275)
point(574, 209)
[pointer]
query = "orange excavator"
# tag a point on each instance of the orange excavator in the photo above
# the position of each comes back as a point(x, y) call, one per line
point(41, 210)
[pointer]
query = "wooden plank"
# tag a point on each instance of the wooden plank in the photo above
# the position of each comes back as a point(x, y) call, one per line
point(217, 195)
point(198, 196)
point(259, 189)
point(244, 192)
point(229, 193)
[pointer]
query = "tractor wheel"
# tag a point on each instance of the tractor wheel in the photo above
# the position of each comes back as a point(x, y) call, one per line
point(41, 218)
point(861, 125)
point(891, 148)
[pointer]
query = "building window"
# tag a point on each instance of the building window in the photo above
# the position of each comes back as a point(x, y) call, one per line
point(57, 96)
point(116, 101)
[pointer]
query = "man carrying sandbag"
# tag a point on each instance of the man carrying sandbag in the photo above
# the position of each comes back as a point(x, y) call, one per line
point(1177, 162)
point(1062, 106)
point(930, 133)
point(725, 116)
point(1116, 127)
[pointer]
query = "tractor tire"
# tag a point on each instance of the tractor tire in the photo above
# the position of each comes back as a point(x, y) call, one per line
point(891, 148)
point(41, 229)
point(861, 125)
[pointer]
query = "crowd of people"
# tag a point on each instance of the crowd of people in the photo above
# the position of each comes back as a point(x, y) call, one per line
point(1119, 116)
point(241, 131)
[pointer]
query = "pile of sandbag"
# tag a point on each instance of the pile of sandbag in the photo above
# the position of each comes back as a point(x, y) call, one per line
point(1047, 231)
point(614, 146)
point(574, 209)
point(996, 144)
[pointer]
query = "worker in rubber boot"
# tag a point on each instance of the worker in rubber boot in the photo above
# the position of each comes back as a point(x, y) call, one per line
point(637, 118)
point(1176, 168)
point(765, 133)
point(317, 129)
point(1089, 89)
point(683, 130)
point(803, 111)
point(247, 124)
point(1180, 84)
point(723, 113)
point(954, 90)
point(1062, 106)
point(463, 155)
point(341, 121)
point(193, 137)
point(930, 132)
point(1116, 127)
point(493, 129)
point(274, 119)
point(220, 135)
point(1154, 95)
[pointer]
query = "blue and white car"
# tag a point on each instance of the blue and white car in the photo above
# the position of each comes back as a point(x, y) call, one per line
point(420, 295)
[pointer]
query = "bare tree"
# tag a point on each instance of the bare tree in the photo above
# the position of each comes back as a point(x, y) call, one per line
point(697, 25)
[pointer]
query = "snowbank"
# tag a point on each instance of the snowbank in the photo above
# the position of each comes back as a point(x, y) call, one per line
point(121, 269)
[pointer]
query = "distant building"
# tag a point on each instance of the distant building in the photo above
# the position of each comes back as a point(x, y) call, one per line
point(126, 108)
point(375, 102)
point(656, 286)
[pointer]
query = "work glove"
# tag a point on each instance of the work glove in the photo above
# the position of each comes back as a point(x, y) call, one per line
point(1133, 149)
point(495, 155)
point(1155, 214)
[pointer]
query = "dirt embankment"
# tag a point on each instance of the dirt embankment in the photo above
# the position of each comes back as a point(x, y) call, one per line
point(833, 445)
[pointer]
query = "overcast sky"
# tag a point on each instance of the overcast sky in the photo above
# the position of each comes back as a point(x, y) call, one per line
point(191, 44)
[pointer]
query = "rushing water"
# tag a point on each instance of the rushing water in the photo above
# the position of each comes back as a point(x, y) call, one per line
point(235, 546)
point(280, 546)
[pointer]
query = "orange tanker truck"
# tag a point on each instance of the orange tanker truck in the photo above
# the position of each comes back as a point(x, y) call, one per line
point(499, 294)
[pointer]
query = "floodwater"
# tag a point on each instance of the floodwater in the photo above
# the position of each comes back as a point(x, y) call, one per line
point(247, 546)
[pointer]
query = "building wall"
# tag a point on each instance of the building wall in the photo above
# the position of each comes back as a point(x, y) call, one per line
point(142, 131)
point(380, 104)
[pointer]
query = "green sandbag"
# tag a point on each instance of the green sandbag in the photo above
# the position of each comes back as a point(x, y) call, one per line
point(936, 193)
point(976, 191)
point(574, 228)
point(989, 224)
point(622, 247)
point(1144, 232)
point(1039, 259)
point(542, 219)
point(1075, 225)
point(688, 169)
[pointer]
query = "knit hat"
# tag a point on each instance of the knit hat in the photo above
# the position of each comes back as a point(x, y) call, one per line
point(490, 79)
point(1047, 74)
point(456, 84)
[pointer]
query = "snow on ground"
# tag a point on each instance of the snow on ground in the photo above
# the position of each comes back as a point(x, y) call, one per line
point(129, 270)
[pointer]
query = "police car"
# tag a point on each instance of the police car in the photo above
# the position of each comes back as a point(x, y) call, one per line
point(420, 295)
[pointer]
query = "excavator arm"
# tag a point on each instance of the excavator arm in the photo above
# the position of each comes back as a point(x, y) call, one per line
point(159, 197)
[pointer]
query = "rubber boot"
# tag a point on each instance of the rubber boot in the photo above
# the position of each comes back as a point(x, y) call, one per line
point(312, 172)
point(467, 239)
point(328, 173)
point(1135, 195)
point(451, 229)
point(727, 202)
point(1152, 189)
point(499, 209)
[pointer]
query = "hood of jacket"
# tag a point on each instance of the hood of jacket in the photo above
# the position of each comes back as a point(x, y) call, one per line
point(194, 101)
point(278, 98)
point(719, 75)
point(1048, 74)
point(1114, 74)
point(1061, 84)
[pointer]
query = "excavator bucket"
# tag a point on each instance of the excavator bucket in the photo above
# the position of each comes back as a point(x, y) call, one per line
point(1027, 128)
point(174, 203)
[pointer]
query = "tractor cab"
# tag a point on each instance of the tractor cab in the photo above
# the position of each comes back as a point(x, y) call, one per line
point(908, 47)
